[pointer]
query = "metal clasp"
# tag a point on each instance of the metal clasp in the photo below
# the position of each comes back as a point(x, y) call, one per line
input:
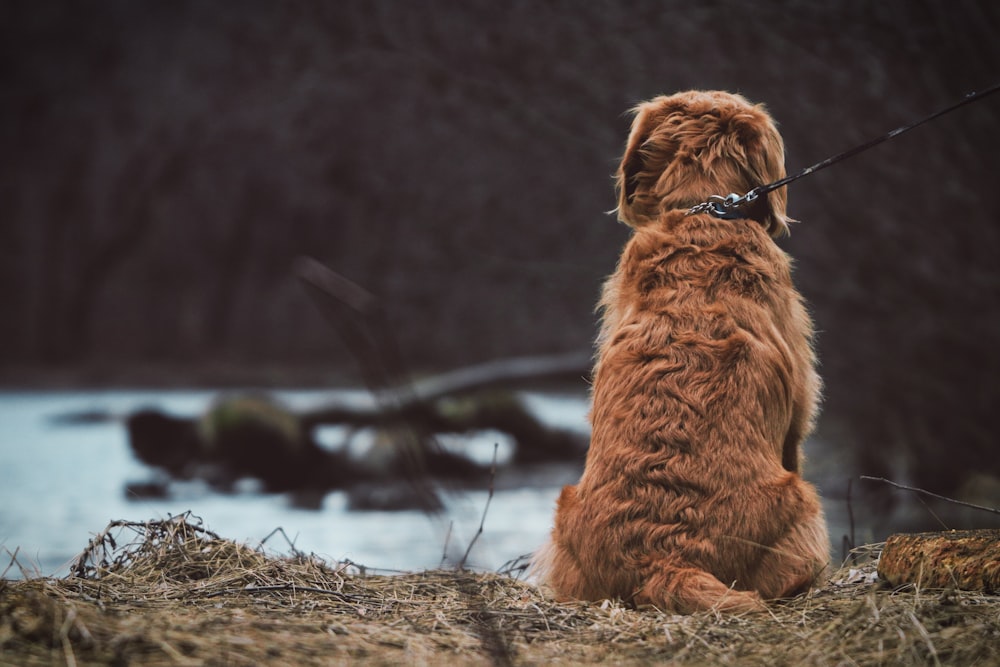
point(719, 206)
point(726, 207)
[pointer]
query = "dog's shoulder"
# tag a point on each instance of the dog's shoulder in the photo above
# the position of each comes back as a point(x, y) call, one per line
point(703, 251)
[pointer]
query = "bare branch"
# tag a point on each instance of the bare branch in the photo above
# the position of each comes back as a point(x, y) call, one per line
point(932, 495)
point(486, 508)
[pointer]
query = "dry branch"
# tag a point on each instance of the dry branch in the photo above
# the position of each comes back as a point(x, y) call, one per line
point(931, 494)
point(417, 410)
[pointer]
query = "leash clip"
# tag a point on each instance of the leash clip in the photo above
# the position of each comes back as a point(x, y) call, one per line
point(726, 207)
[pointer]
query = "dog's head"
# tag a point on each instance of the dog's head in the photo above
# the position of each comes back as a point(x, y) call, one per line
point(685, 147)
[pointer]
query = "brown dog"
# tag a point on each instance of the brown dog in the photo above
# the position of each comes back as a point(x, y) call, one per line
point(704, 387)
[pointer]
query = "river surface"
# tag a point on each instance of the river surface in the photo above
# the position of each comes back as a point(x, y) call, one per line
point(60, 484)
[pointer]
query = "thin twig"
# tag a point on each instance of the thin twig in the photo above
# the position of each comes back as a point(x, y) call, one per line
point(518, 565)
point(927, 507)
point(929, 493)
point(366, 330)
point(292, 588)
point(482, 521)
point(13, 560)
point(447, 541)
point(291, 543)
point(67, 645)
point(850, 512)
point(926, 637)
point(848, 546)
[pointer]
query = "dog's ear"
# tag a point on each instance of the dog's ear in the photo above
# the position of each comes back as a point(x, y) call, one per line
point(766, 164)
point(628, 174)
point(636, 175)
point(627, 178)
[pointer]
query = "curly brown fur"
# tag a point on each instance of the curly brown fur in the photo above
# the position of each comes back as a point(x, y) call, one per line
point(704, 387)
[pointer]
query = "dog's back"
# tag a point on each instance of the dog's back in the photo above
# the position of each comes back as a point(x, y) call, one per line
point(704, 389)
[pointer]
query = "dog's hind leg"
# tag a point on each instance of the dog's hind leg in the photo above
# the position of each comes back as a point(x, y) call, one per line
point(796, 561)
point(685, 590)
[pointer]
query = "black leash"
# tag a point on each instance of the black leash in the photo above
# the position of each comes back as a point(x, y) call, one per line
point(726, 207)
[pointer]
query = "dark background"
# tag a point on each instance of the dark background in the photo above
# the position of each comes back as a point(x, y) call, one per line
point(163, 163)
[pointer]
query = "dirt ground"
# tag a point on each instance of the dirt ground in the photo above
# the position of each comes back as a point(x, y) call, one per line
point(172, 593)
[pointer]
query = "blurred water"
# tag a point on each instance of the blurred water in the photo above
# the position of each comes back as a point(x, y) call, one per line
point(61, 484)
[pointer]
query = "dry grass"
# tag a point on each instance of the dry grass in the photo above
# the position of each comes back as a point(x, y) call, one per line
point(172, 593)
